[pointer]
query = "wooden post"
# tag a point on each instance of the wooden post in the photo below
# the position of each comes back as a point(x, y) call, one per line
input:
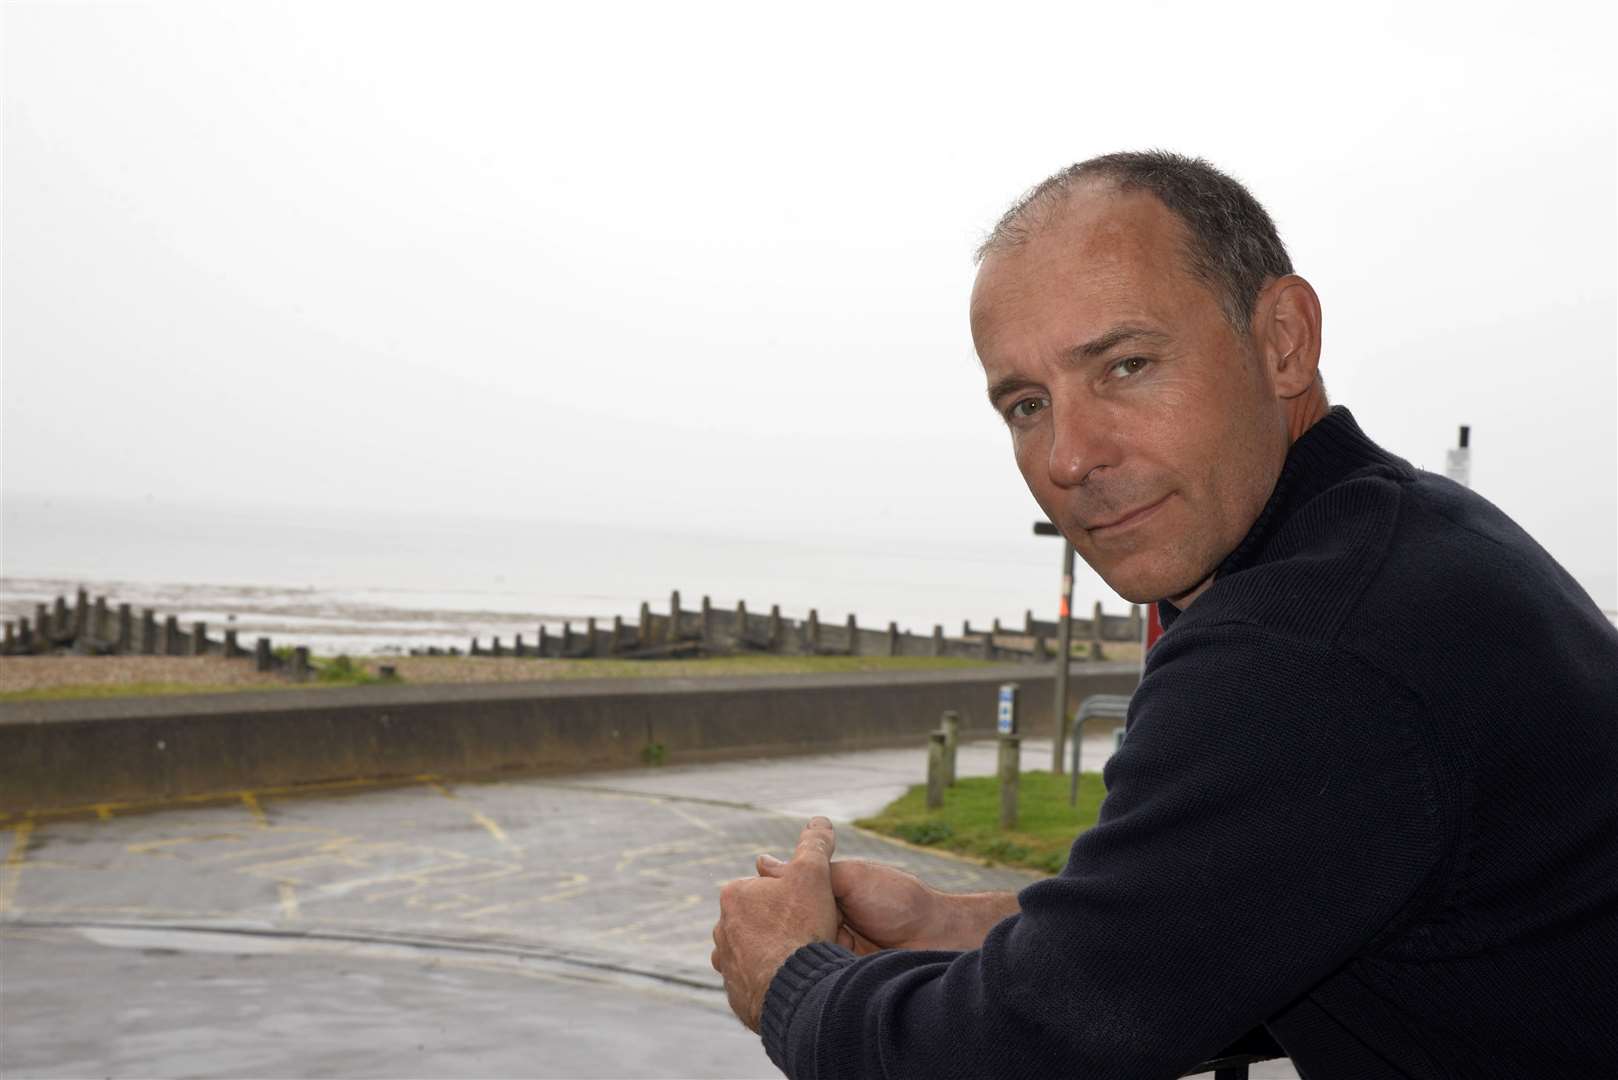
point(853, 637)
point(741, 622)
point(590, 636)
point(542, 640)
point(98, 620)
point(126, 629)
point(148, 632)
point(55, 622)
point(814, 630)
point(300, 663)
point(263, 659)
point(1028, 621)
point(951, 725)
point(645, 632)
point(232, 649)
point(775, 628)
point(893, 639)
point(994, 627)
point(81, 616)
point(25, 634)
point(517, 647)
point(1095, 633)
point(988, 646)
point(496, 648)
point(1010, 758)
point(199, 639)
point(707, 622)
point(935, 770)
point(567, 638)
point(472, 649)
point(938, 640)
point(674, 616)
point(617, 633)
point(171, 636)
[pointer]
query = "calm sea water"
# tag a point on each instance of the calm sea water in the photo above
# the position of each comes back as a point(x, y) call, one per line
point(368, 583)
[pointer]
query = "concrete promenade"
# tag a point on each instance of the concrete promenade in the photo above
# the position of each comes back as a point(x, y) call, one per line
point(530, 927)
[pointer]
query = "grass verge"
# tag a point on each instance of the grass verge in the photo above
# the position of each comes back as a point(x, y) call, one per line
point(968, 822)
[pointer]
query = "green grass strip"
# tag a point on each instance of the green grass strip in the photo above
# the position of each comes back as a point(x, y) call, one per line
point(968, 822)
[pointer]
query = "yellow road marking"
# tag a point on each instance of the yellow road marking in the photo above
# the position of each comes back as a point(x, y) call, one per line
point(104, 812)
point(250, 801)
point(289, 900)
point(496, 831)
point(11, 872)
point(681, 812)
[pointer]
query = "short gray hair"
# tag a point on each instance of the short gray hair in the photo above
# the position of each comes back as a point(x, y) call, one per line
point(1233, 246)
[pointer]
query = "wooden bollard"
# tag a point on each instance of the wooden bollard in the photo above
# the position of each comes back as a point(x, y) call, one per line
point(951, 726)
point(199, 639)
point(148, 632)
point(25, 634)
point(98, 620)
point(543, 640)
point(674, 616)
point(42, 622)
point(938, 640)
point(126, 629)
point(590, 636)
point(644, 633)
point(775, 627)
point(1010, 779)
point(516, 647)
point(300, 663)
point(81, 616)
point(171, 636)
point(741, 621)
point(707, 621)
point(853, 637)
point(232, 649)
point(814, 630)
point(567, 638)
point(497, 648)
point(893, 639)
point(617, 633)
point(935, 770)
point(263, 659)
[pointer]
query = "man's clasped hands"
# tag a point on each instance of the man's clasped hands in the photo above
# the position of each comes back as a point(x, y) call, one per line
point(863, 906)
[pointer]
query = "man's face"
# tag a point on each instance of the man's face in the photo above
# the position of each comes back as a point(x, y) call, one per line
point(1147, 429)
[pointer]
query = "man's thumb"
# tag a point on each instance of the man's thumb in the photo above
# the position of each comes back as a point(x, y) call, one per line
point(770, 866)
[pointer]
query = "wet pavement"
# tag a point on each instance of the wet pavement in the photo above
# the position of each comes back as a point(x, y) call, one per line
point(522, 928)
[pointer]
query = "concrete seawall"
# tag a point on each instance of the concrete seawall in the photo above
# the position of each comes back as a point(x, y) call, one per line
point(65, 754)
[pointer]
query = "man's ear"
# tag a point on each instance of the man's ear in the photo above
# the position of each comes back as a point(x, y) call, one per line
point(1286, 329)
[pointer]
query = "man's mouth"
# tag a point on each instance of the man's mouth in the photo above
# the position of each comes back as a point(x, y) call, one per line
point(1131, 518)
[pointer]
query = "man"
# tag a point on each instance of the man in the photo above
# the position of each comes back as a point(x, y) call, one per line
point(1368, 800)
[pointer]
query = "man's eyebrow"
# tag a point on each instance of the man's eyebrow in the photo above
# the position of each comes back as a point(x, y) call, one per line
point(1010, 384)
point(1090, 350)
point(1095, 347)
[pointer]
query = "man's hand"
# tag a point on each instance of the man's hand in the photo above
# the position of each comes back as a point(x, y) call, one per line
point(763, 920)
point(883, 907)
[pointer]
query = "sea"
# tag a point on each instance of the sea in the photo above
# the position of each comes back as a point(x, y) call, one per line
point(387, 582)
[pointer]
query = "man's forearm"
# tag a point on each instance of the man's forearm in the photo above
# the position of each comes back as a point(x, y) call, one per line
point(968, 917)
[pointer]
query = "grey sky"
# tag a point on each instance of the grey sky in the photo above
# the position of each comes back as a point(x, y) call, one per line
point(706, 265)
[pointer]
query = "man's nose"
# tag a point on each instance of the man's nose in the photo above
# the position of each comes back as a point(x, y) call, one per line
point(1078, 447)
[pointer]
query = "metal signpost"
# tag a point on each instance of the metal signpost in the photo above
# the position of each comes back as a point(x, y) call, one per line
point(1458, 461)
point(1064, 641)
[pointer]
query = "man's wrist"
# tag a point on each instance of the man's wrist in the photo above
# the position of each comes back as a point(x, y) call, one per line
point(968, 917)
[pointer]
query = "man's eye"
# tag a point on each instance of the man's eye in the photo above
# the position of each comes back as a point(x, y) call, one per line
point(1025, 408)
point(1130, 365)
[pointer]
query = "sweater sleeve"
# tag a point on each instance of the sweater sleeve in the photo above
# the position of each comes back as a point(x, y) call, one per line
point(1270, 814)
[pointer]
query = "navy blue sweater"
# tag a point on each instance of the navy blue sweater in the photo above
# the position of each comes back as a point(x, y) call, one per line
point(1368, 799)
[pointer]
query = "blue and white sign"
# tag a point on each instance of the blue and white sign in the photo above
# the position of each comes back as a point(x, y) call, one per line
point(1008, 709)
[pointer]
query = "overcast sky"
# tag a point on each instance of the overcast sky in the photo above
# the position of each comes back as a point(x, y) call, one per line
point(706, 265)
